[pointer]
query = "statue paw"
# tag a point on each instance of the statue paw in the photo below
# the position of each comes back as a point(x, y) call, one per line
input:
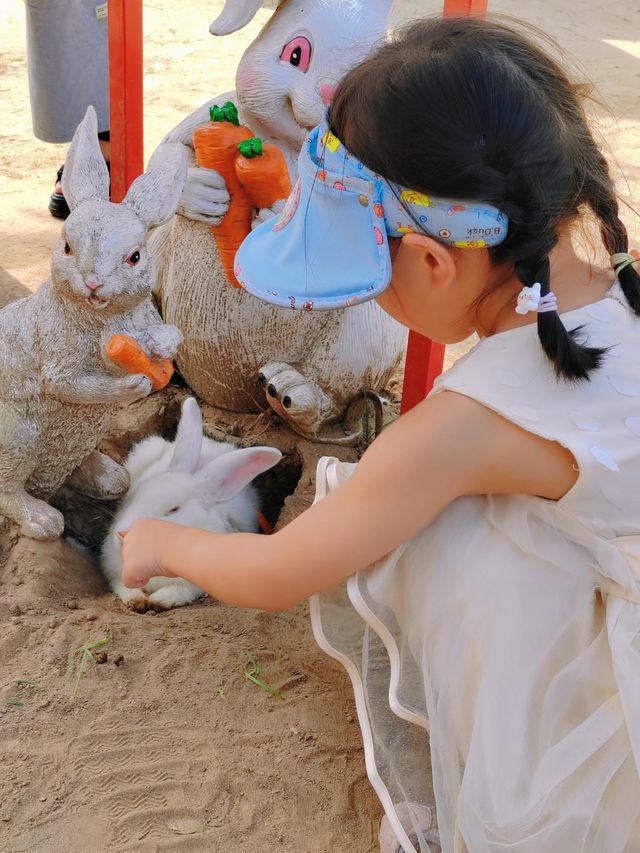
point(38, 520)
point(301, 403)
point(100, 477)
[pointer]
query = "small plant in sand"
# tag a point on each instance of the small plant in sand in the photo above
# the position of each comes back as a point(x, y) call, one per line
point(87, 657)
point(22, 684)
point(251, 673)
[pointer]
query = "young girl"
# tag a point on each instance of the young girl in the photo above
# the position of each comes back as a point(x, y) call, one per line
point(499, 520)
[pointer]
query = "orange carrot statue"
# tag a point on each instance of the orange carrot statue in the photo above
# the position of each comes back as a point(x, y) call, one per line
point(129, 355)
point(216, 147)
point(262, 172)
point(255, 173)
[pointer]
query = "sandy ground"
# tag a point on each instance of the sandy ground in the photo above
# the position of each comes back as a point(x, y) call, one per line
point(175, 748)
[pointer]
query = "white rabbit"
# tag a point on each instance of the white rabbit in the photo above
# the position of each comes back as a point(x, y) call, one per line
point(313, 365)
point(194, 481)
point(57, 388)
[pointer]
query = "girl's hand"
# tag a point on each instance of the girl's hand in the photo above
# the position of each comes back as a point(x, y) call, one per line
point(145, 548)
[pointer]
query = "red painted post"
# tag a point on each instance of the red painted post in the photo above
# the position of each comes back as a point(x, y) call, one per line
point(425, 358)
point(457, 8)
point(125, 94)
point(423, 365)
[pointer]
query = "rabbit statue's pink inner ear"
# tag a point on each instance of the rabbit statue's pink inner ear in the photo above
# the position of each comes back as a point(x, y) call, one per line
point(85, 174)
point(227, 475)
point(235, 15)
point(188, 444)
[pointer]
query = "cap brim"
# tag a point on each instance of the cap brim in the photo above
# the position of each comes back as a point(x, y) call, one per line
point(328, 249)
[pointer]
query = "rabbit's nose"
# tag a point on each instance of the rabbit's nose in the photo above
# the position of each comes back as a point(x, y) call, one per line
point(92, 283)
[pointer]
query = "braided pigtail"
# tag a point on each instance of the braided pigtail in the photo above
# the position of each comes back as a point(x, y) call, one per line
point(571, 359)
point(604, 203)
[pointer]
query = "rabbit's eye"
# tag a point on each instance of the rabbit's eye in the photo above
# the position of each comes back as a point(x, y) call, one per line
point(67, 249)
point(133, 258)
point(175, 509)
point(297, 52)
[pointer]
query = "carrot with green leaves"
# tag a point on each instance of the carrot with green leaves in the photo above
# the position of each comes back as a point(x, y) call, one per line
point(262, 172)
point(255, 173)
point(216, 147)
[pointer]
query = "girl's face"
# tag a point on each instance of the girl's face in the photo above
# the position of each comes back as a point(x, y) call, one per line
point(434, 288)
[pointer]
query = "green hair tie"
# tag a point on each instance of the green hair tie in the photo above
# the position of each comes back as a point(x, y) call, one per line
point(227, 112)
point(251, 148)
point(622, 260)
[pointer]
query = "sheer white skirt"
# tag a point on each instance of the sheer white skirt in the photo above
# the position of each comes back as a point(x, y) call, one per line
point(488, 636)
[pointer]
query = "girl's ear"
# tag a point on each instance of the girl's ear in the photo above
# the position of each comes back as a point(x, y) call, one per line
point(438, 258)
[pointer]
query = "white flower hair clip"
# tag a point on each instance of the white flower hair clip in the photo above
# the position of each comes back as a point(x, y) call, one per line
point(529, 299)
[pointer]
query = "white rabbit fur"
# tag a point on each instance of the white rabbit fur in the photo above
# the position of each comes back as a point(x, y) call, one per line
point(194, 481)
point(57, 388)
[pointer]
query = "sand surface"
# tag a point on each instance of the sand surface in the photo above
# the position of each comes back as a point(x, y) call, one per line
point(175, 749)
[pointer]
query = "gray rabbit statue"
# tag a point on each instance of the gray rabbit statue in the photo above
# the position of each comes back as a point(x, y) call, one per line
point(58, 389)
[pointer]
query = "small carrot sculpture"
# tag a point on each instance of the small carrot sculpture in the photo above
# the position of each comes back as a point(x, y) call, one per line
point(129, 355)
point(216, 147)
point(262, 172)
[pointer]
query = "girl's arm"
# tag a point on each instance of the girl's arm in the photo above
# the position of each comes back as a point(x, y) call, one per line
point(447, 447)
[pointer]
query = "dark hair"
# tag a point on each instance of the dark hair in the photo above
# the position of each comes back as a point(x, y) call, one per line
point(471, 109)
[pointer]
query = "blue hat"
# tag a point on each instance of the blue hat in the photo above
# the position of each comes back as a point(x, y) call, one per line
point(329, 248)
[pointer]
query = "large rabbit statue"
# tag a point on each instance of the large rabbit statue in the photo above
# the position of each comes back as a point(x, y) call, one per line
point(237, 349)
point(57, 387)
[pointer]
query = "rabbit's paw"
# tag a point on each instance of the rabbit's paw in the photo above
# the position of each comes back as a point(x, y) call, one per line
point(134, 599)
point(164, 341)
point(303, 404)
point(42, 521)
point(174, 594)
point(205, 197)
point(133, 388)
point(36, 519)
point(266, 213)
point(100, 477)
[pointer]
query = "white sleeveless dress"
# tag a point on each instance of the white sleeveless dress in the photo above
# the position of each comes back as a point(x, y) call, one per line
point(509, 629)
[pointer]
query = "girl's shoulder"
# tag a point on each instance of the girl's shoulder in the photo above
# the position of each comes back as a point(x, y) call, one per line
point(598, 419)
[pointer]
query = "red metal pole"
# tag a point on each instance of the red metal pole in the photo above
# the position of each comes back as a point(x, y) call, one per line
point(425, 358)
point(457, 8)
point(125, 94)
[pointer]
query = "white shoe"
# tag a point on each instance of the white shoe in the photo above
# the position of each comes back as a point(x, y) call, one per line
point(411, 815)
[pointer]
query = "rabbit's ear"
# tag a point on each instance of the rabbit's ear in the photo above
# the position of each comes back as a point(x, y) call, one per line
point(376, 7)
point(155, 195)
point(235, 15)
point(227, 475)
point(85, 173)
point(385, 6)
point(188, 443)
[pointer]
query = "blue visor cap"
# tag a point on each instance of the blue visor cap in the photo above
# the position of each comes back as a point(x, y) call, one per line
point(329, 248)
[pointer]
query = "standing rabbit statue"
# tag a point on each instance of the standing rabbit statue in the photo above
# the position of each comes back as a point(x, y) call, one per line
point(57, 387)
point(196, 482)
point(237, 349)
